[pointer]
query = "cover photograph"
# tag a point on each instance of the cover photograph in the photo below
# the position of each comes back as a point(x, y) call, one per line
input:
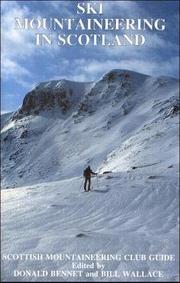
point(89, 141)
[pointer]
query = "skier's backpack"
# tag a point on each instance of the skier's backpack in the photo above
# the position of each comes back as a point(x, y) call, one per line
point(85, 173)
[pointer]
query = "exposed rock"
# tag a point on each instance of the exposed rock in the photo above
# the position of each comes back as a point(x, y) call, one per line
point(24, 134)
point(170, 166)
point(134, 167)
point(44, 99)
point(81, 235)
point(173, 111)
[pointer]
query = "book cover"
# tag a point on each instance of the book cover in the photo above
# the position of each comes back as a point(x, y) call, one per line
point(89, 141)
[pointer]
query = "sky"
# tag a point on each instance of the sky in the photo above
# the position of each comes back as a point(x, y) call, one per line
point(24, 65)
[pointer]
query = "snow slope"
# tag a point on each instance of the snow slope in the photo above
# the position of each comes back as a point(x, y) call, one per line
point(126, 123)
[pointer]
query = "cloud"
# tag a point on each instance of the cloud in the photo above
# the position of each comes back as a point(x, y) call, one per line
point(81, 77)
point(7, 5)
point(18, 46)
point(64, 7)
point(89, 70)
point(123, 8)
point(11, 70)
point(15, 42)
point(5, 111)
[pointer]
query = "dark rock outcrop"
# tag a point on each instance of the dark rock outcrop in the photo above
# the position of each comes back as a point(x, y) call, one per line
point(44, 99)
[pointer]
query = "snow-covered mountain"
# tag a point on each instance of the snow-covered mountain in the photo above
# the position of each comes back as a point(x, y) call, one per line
point(63, 125)
point(126, 123)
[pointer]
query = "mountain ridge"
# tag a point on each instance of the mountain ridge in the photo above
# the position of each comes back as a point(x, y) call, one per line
point(65, 94)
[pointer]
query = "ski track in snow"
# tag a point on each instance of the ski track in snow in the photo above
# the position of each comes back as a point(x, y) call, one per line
point(130, 217)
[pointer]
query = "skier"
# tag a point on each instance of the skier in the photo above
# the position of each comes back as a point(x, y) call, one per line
point(87, 177)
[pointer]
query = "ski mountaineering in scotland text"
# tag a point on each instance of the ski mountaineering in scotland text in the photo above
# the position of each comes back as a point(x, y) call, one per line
point(81, 28)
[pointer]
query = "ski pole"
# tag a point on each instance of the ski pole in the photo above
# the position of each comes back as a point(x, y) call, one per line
point(97, 181)
point(81, 184)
